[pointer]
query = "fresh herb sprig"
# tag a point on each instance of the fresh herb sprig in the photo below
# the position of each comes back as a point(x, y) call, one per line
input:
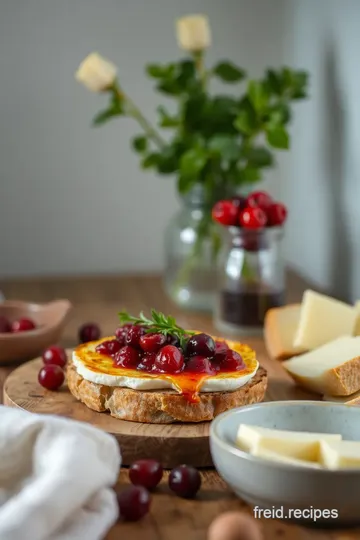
point(159, 323)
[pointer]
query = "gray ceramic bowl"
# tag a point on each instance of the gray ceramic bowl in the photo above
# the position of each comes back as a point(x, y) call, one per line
point(281, 487)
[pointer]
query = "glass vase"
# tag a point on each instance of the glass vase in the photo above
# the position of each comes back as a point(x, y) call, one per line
point(251, 280)
point(192, 243)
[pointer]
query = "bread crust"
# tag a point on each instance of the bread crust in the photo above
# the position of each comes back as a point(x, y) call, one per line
point(165, 407)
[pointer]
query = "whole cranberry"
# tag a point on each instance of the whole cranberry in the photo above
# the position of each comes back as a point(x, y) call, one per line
point(134, 503)
point(199, 364)
point(221, 348)
point(51, 376)
point(185, 481)
point(55, 355)
point(200, 344)
point(89, 332)
point(152, 342)
point(133, 336)
point(232, 361)
point(173, 340)
point(5, 325)
point(169, 360)
point(259, 198)
point(240, 202)
point(147, 362)
point(277, 214)
point(146, 473)
point(127, 357)
point(253, 218)
point(22, 325)
point(121, 333)
point(109, 347)
point(225, 213)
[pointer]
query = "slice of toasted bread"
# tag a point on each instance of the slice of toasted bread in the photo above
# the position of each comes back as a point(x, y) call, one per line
point(280, 326)
point(353, 399)
point(165, 407)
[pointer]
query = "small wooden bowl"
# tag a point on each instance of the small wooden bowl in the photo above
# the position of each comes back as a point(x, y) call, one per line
point(50, 320)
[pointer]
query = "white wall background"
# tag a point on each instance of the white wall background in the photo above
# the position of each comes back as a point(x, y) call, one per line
point(72, 198)
point(321, 180)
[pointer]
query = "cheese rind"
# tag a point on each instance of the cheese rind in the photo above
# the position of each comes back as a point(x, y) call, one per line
point(323, 319)
point(332, 369)
point(280, 326)
point(340, 454)
point(291, 444)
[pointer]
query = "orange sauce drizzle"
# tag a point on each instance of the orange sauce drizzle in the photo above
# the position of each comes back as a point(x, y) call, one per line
point(188, 384)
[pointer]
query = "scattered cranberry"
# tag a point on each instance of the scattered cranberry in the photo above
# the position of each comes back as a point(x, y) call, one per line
point(5, 325)
point(121, 333)
point(260, 199)
point(109, 347)
point(22, 325)
point(134, 503)
point(146, 473)
point(277, 214)
point(152, 342)
point(225, 212)
point(133, 336)
point(185, 481)
point(173, 340)
point(169, 359)
point(199, 364)
point(200, 344)
point(51, 377)
point(221, 348)
point(147, 362)
point(55, 355)
point(253, 218)
point(232, 361)
point(89, 332)
point(127, 357)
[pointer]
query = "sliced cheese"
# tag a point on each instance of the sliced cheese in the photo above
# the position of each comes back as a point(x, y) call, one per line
point(323, 319)
point(357, 325)
point(291, 444)
point(280, 325)
point(340, 454)
point(353, 399)
point(331, 369)
point(280, 458)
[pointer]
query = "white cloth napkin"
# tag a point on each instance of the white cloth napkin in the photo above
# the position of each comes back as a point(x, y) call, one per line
point(55, 478)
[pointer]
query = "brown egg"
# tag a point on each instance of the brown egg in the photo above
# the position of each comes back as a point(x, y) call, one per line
point(234, 526)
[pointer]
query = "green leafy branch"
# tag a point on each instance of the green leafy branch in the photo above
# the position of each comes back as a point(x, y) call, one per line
point(159, 323)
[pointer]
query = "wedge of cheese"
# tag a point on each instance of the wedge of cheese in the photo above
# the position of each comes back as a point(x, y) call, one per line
point(353, 399)
point(290, 444)
point(331, 369)
point(280, 326)
point(323, 319)
point(280, 458)
point(340, 454)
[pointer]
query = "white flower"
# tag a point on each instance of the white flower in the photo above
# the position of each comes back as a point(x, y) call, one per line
point(193, 33)
point(96, 73)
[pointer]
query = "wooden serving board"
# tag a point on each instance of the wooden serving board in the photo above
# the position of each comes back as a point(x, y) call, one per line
point(171, 444)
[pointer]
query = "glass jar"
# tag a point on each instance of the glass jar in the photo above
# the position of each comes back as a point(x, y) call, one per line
point(251, 280)
point(192, 243)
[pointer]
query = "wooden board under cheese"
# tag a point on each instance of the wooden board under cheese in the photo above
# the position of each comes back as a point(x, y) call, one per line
point(331, 369)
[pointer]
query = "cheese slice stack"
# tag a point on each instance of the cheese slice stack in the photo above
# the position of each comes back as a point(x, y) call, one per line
point(280, 458)
point(272, 444)
point(340, 454)
point(323, 319)
point(331, 369)
point(280, 327)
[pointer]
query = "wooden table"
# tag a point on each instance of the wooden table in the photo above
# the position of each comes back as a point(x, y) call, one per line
point(99, 299)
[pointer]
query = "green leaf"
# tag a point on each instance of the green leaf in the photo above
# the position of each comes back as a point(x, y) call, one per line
point(260, 157)
point(157, 71)
point(279, 114)
point(151, 160)
point(251, 174)
point(274, 82)
point(185, 183)
point(166, 120)
point(140, 143)
point(193, 162)
point(115, 109)
point(229, 72)
point(258, 95)
point(225, 146)
point(104, 116)
point(278, 137)
point(246, 121)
